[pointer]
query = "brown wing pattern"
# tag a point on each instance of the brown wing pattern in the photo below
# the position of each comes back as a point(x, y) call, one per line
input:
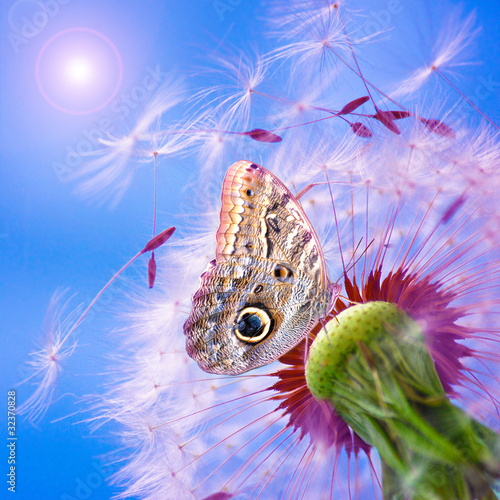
point(268, 283)
point(260, 216)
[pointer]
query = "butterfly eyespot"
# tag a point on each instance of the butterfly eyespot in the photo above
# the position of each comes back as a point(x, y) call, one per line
point(282, 272)
point(253, 325)
point(268, 282)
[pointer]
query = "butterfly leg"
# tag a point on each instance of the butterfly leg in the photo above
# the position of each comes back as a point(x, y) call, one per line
point(306, 350)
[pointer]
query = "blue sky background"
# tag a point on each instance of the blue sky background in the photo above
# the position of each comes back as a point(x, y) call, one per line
point(50, 238)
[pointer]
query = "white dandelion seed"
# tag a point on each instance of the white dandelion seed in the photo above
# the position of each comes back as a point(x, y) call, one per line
point(109, 174)
point(450, 51)
point(47, 362)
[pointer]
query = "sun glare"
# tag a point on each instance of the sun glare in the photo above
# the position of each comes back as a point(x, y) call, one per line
point(76, 59)
point(79, 71)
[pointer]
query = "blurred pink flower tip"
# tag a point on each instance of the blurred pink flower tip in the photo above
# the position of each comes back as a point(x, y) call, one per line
point(262, 135)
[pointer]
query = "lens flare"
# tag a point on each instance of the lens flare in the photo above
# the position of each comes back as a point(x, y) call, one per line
point(79, 71)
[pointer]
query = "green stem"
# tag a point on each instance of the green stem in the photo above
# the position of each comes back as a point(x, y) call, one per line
point(371, 363)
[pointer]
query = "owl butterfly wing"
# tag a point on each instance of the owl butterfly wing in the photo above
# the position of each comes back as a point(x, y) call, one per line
point(268, 284)
point(261, 217)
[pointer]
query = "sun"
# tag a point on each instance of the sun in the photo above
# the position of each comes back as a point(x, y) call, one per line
point(79, 71)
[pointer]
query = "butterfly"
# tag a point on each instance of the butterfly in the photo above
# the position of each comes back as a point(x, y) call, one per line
point(268, 284)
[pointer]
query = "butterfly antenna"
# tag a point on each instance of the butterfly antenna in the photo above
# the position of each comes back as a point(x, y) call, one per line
point(349, 265)
point(359, 258)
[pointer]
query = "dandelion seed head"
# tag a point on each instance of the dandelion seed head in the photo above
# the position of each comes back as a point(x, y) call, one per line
point(251, 434)
point(414, 217)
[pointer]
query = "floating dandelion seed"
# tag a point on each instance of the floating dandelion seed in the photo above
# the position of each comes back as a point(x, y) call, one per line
point(109, 174)
point(232, 100)
point(46, 363)
point(312, 33)
point(453, 43)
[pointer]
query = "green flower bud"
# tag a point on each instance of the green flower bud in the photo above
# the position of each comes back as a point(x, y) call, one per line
point(371, 362)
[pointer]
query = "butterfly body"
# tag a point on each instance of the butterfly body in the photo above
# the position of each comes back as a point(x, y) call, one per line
point(268, 284)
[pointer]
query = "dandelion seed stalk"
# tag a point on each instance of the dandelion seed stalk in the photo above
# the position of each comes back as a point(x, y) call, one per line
point(375, 369)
